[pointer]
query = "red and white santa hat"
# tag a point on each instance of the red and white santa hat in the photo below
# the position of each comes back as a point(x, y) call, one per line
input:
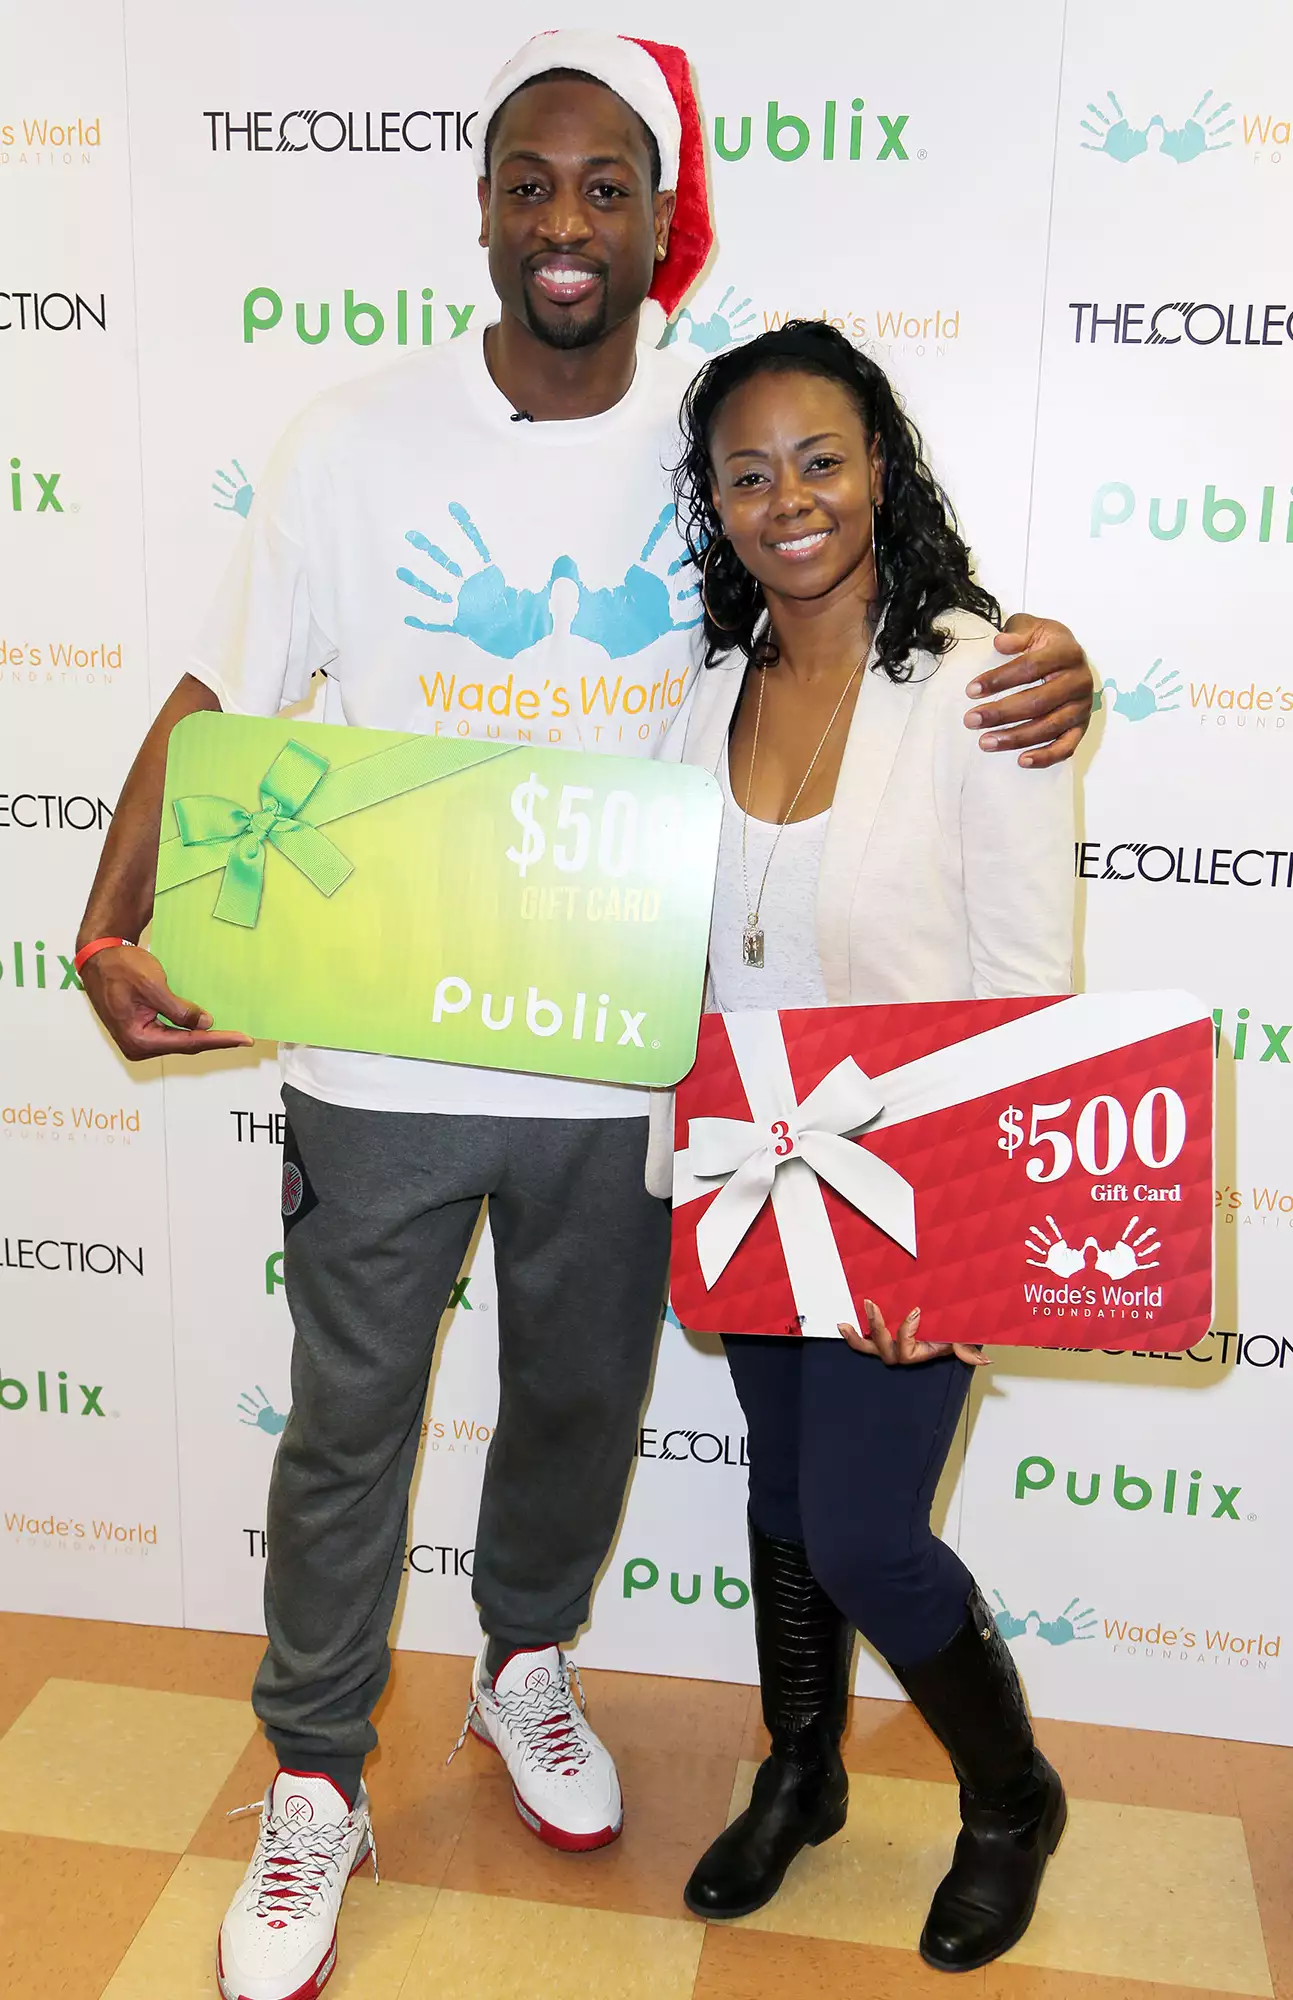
point(654, 79)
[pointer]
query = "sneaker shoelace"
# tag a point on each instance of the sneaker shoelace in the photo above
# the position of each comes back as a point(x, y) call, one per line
point(296, 1865)
point(546, 1723)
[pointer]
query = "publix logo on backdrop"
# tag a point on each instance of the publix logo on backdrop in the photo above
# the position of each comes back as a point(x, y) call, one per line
point(1262, 516)
point(843, 129)
point(362, 321)
point(1172, 1492)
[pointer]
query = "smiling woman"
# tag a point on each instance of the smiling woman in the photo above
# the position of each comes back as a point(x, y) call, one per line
point(869, 853)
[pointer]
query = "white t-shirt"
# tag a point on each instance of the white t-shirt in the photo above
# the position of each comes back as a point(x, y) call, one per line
point(458, 573)
point(791, 973)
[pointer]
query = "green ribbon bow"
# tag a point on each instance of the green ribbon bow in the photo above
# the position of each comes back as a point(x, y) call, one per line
point(298, 793)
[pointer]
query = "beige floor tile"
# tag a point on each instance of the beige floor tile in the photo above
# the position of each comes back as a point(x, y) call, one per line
point(1136, 1892)
point(68, 1911)
point(491, 1948)
point(173, 1955)
point(672, 1810)
point(755, 1965)
point(127, 1766)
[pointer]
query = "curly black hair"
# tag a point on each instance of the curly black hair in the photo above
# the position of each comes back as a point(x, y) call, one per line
point(922, 564)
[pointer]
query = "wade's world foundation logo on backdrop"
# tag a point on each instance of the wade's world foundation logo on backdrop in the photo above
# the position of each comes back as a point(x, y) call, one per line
point(97, 1535)
point(70, 1124)
point(886, 329)
point(404, 318)
point(1156, 863)
point(52, 312)
point(847, 130)
point(49, 662)
point(255, 1410)
point(234, 491)
point(346, 132)
point(1257, 712)
point(1181, 323)
point(1140, 1640)
point(38, 141)
point(1267, 1207)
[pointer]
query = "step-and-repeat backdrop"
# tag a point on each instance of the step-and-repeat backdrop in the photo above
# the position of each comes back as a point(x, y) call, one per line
point(1066, 233)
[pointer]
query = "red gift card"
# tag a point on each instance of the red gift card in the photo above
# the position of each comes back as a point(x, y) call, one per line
point(1031, 1173)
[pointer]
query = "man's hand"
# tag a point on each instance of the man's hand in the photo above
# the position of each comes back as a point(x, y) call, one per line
point(1046, 721)
point(128, 991)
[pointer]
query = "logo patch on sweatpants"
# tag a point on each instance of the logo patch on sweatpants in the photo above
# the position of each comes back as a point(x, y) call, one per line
point(298, 1195)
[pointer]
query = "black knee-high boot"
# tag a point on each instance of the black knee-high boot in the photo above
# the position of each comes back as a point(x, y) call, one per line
point(800, 1794)
point(1012, 1802)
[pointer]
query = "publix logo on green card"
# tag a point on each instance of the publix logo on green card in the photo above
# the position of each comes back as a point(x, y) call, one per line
point(511, 907)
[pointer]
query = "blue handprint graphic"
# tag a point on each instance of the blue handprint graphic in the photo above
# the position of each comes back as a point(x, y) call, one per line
point(233, 496)
point(1062, 1631)
point(1154, 693)
point(1120, 140)
point(501, 621)
point(258, 1412)
point(1194, 138)
point(634, 614)
point(1059, 1631)
point(723, 327)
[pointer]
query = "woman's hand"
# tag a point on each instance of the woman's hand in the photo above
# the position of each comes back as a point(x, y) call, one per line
point(900, 1350)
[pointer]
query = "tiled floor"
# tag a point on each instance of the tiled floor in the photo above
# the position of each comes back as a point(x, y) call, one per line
point(122, 1750)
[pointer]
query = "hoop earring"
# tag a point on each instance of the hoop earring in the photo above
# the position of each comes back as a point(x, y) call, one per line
point(710, 552)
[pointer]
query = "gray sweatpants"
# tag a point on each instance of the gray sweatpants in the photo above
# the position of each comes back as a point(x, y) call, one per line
point(379, 1210)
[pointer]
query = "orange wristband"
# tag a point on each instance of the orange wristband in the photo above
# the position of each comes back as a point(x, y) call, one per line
point(87, 951)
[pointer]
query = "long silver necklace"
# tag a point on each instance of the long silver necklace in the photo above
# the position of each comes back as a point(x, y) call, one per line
point(752, 935)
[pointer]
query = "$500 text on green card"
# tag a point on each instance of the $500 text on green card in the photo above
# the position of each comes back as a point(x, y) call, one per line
point(518, 908)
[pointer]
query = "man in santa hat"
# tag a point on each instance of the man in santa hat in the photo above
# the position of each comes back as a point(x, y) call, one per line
point(476, 541)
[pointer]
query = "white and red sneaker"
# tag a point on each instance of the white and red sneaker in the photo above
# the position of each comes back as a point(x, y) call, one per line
point(564, 1783)
point(279, 1939)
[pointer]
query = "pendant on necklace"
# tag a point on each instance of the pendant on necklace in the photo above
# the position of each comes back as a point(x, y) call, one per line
point(752, 942)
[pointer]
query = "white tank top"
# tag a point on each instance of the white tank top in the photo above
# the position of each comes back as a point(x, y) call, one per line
point(791, 974)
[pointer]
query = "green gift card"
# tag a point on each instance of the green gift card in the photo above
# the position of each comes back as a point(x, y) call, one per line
point(472, 902)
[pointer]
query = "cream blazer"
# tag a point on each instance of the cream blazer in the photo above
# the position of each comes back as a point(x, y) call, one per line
point(947, 872)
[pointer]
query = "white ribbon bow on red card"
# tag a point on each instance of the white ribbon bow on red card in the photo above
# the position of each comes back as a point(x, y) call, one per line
point(787, 1147)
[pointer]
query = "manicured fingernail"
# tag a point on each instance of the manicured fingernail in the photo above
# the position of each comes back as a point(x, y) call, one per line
point(990, 742)
point(974, 720)
point(204, 1020)
point(975, 688)
point(1027, 763)
point(915, 1312)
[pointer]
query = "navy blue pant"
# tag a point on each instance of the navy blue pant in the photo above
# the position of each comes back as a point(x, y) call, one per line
point(845, 1455)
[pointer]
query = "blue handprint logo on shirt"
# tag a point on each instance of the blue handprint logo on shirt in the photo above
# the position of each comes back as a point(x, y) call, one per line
point(1120, 140)
point(654, 597)
point(498, 619)
point(634, 614)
